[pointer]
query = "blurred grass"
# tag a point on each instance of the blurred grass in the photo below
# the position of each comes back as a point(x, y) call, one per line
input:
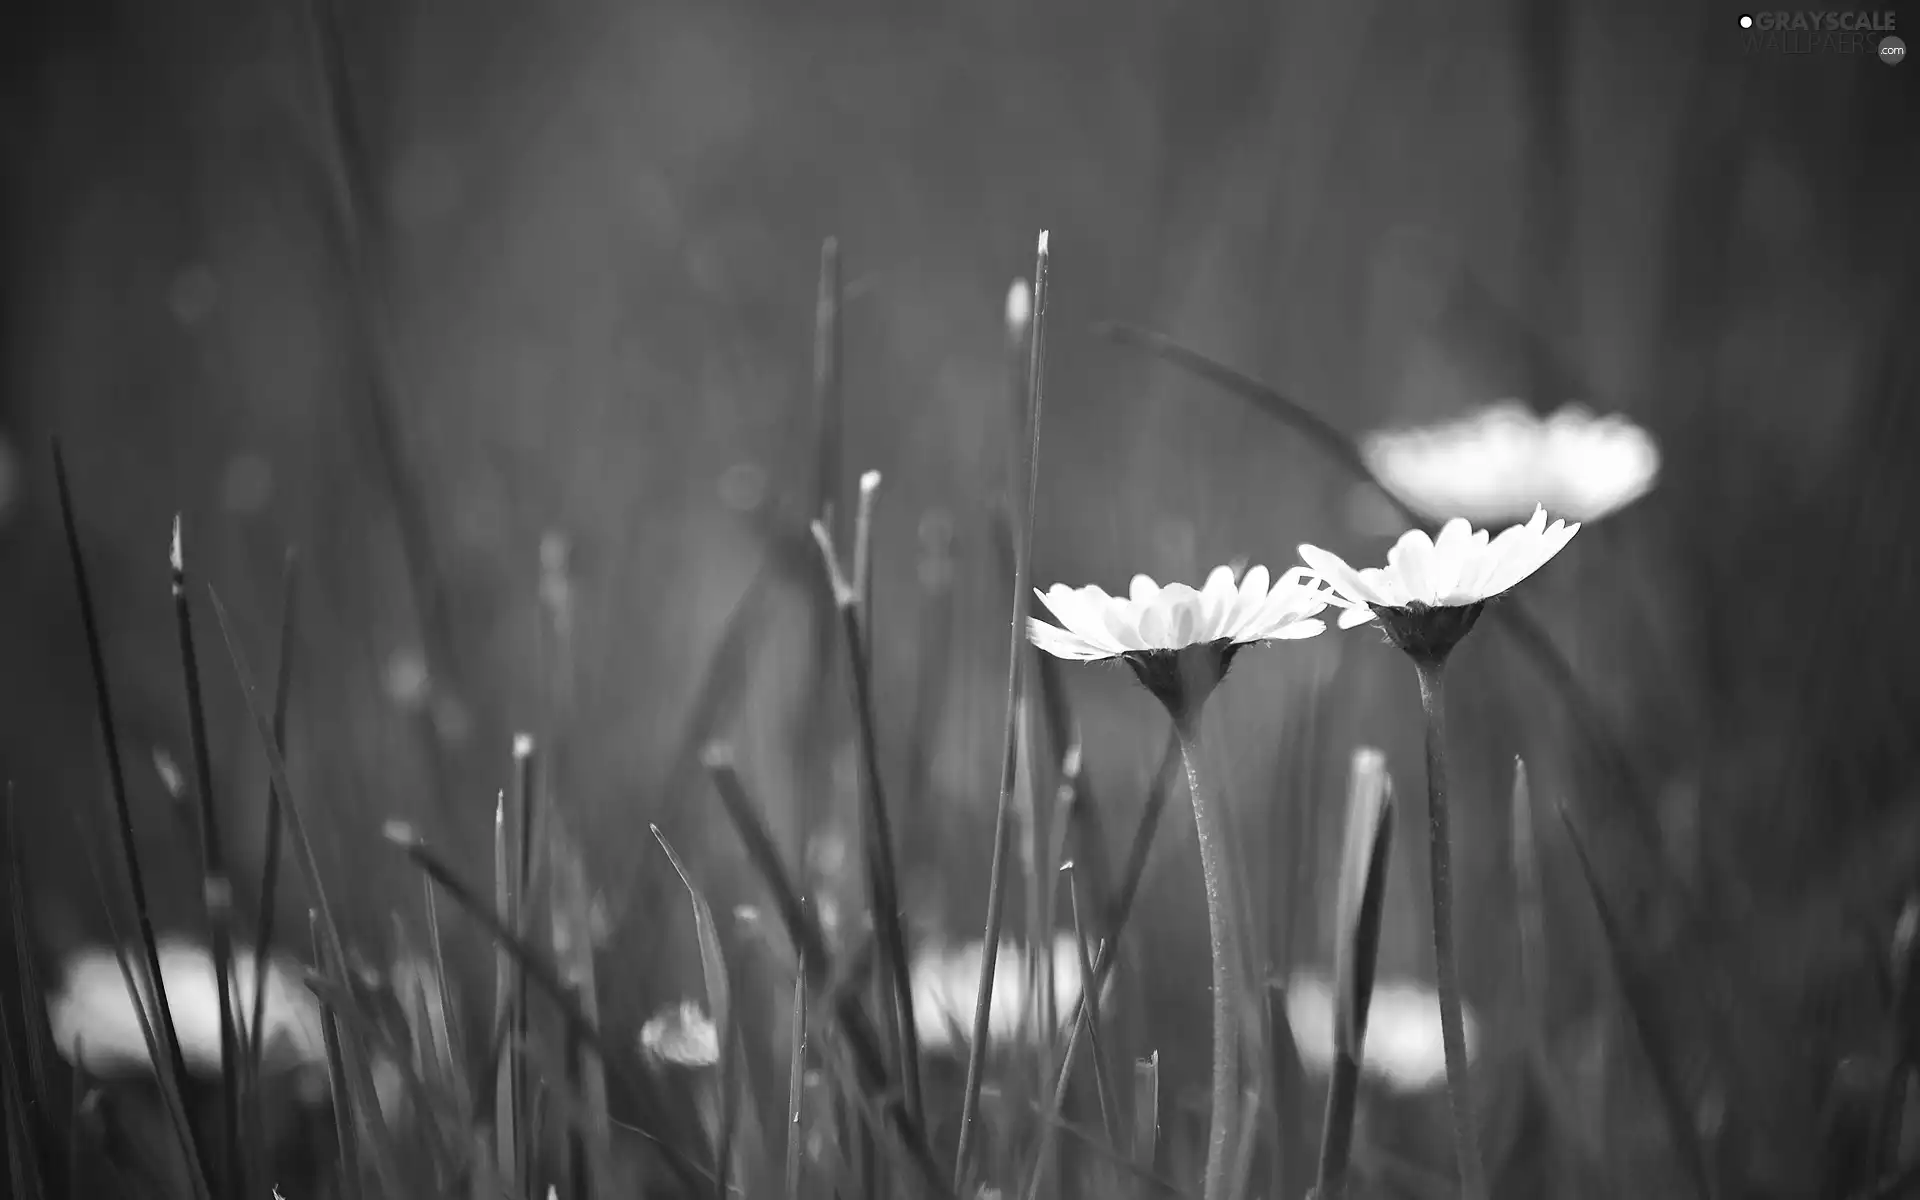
point(601, 249)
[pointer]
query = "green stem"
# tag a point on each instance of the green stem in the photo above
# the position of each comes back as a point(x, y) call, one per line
point(1473, 1175)
point(1216, 867)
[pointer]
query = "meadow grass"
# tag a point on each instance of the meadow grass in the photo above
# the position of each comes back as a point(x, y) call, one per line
point(551, 1103)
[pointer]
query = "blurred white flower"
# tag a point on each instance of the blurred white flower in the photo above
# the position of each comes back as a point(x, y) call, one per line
point(1094, 625)
point(1496, 464)
point(1403, 1050)
point(682, 1035)
point(946, 986)
point(93, 1015)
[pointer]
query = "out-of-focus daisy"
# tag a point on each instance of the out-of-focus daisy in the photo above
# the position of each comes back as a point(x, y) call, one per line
point(682, 1035)
point(946, 985)
point(1498, 463)
point(1432, 589)
point(1179, 640)
point(92, 1015)
point(1403, 1050)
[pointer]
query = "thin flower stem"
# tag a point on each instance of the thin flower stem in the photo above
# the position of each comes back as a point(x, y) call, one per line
point(1473, 1175)
point(1215, 865)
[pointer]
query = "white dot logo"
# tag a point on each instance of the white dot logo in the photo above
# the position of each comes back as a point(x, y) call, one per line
point(1893, 51)
point(1746, 22)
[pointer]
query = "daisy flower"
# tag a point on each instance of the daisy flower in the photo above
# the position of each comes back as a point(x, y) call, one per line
point(1179, 641)
point(1430, 593)
point(1497, 463)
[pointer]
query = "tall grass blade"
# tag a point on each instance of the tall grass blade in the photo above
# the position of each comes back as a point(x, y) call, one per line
point(797, 1084)
point(573, 916)
point(171, 1094)
point(1358, 910)
point(269, 890)
point(1102, 1069)
point(713, 966)
point(1135, 871)
point(359, 1078)
point(170, 1060)
point(34, 1034)
point(543, 976)
point(1660, 1053)
point(217, 889)
point(506, 1110)
point(347, 1145)
point(1146, 1110)
point(23, 1144)
point(526, 799)
point(1904, 1056)
point(882, 881)
point(1033, 394)
point(892, 1123)
point(1289, 1083)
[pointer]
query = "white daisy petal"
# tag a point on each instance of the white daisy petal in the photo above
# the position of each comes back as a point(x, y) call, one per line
point(1143, 589)
point(1334, 571)
point(1411, 560)
point(1079, 615)
point(1062, 643)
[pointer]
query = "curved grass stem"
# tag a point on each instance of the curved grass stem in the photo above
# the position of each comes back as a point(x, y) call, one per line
point(1216, 856)
point(1473, 1175)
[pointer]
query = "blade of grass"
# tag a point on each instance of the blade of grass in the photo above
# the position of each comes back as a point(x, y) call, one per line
point(797, 1083)
point(713, 966)
point(542, 975)
point(1146, 1110)
point(1246, 1143)
point(347, 1145)
point(23, 1149)
point(1903, 1051)
point(217, 889)
point(574, 912)
point(1358, 910)
point(882, 881)
point(1033, 395)
point(1654, 1043)
point(506, 1097)
point(1136, 869)
point(1529, 911)
point(169, 1059)
point(269, 891)
point(141, 1000)
point(1289, 1082)
point(34, 1035)
point(526, 799)
point(869, 1071)
point(1102, 1071)
point(1058, 1124)
point(360, 1088)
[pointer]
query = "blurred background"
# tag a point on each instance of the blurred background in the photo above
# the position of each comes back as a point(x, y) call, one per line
point(566, 300)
